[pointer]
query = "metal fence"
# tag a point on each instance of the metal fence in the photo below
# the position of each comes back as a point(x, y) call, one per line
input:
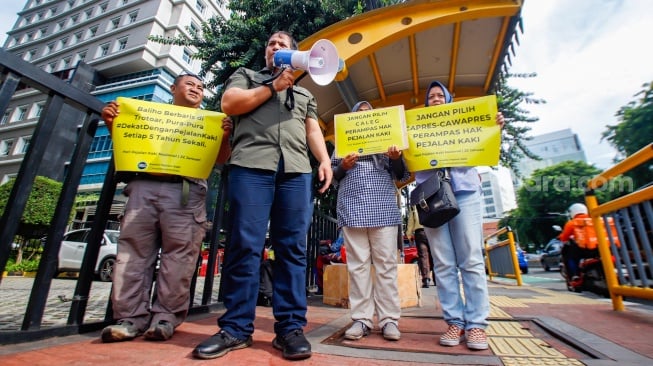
point(501, 257)
point(16, 73)
point(626, 253)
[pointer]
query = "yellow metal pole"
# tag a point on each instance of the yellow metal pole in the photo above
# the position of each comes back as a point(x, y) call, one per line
point(515, 261)
point(604, 252)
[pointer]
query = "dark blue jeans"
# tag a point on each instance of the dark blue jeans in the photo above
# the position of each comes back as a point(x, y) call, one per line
point(256, 196)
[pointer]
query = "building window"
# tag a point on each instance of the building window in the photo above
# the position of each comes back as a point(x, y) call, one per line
point(65, 63)
point(125, 2)
point(122, 44)
point(77, 37)
point(103, 50)
point(21, 113)
point(92, 31)
point(132, 17)
point(23, 144)
point(5, 117)
point(51, 66)
point(187, 56)
point(200, 6)
point(29, 36)
point(81, 56)
point(103, 7)
point(63, 43)
point(40, 16)
point(114, 24)
point(101, 147)
point(193, 28)
point(71, 4)
point(37, 109)
point(53, 11)
point(60, 25)
point(88, 13)
point(29, 55)
point(5, 147)
point(42, 32)
point(48, 49)
point(74, 19)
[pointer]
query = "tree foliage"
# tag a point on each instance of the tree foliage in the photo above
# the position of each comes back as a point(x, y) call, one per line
point(40, 205)
point(510, 102)
point(37, 214)
point(225, 45)
point(634, 131)
point(544, 198)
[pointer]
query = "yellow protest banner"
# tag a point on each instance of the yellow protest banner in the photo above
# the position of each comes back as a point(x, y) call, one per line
point(164, 138)
point(463, 133)
point(370, 132)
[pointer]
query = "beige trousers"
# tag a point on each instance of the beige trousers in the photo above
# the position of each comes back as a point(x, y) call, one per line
point(373, 292)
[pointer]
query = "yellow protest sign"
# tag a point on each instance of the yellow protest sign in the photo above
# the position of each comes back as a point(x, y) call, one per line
point(164, 138)
point(463, 133)
point(370, 132)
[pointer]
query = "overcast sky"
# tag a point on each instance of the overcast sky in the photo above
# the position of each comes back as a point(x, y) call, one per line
point(591, 58)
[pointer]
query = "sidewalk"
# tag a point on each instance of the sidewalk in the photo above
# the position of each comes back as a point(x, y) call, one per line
point(528, 326)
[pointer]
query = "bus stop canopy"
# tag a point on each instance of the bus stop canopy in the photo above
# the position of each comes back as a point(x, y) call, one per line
point(393, 53)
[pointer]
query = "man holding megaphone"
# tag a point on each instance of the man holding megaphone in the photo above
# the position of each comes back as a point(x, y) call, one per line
point(269, 180)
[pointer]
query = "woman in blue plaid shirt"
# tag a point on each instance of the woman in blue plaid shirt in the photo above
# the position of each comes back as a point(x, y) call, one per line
point(369, 216)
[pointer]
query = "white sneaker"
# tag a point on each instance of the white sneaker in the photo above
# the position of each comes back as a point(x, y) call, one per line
point(391, 332)
point(357, 331)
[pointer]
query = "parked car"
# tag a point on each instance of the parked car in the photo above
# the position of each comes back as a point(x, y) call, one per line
point(73, 247)
point(551, 255)
point(521, 258)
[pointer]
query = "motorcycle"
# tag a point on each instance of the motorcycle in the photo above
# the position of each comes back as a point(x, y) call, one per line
point(590, 274)
point(591, 277)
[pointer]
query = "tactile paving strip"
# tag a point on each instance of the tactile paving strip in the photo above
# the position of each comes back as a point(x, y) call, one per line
point(497, 313)
point(507, 329)
point(523, 347)
point(505, 301)
point(534, 361)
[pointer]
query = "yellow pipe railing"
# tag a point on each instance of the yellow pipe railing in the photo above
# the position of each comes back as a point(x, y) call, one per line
point(596, 210)
point(510, 242)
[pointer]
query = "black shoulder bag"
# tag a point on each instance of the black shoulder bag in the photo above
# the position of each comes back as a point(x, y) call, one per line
point(434, 200)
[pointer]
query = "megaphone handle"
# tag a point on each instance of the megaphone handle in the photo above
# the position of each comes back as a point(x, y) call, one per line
point(271, 78)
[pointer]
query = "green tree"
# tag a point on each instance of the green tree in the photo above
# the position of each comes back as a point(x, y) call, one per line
point(225, 45)
point(38, 211)
point(634, 131)
point(544, 198)
point(510, 102)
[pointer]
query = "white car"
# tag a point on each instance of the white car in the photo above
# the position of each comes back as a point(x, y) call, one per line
point(73, 247)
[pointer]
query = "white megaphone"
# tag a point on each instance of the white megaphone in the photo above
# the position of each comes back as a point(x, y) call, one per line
point(321, 61)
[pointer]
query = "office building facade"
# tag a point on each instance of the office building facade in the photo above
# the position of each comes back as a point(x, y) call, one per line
point(553, 148)
point(112, 37)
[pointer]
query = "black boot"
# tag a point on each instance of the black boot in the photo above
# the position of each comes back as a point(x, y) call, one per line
point(425, 282)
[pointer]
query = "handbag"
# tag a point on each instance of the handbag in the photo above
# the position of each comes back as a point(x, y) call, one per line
point(434, 200)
